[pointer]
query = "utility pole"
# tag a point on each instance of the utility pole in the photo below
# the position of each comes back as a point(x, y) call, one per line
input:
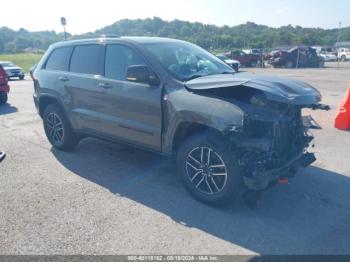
point(338, 40)
point(64, 23)
point(339, 29)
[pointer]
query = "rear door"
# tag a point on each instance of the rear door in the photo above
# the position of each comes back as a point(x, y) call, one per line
point(81, 82)
point(52, 72)
point(130, 111)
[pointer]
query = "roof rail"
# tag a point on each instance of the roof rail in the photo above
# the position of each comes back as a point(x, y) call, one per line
point(110, 36)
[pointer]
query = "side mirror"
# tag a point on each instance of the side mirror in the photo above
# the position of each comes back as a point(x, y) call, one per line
point(141, 74)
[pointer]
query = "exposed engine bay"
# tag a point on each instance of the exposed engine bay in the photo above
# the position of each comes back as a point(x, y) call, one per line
point(272, 143)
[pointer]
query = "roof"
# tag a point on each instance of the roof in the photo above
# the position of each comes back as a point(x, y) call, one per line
point(138, 39)
point(146, 40)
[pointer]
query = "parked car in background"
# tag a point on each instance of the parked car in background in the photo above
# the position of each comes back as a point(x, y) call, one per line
point(248, 60)
point(296, 57)
point(344, 54)
point(229, 133)
point(12, 70)
point(4, 87)
point(329, 54)
point(232, 63)
point(275, 50)
point(253, 51)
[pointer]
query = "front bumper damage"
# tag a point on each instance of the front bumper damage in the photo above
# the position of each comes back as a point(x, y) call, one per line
point(273, 148)
point(269, 157)
point(260, 180)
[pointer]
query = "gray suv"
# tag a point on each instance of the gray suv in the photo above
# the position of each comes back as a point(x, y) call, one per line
point(229, 133)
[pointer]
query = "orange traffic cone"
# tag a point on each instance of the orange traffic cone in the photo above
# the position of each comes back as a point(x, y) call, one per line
point(342, 121)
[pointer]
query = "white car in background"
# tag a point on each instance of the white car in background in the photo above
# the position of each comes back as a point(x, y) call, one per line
point(329, 57)
point(327, 53)
point(232, 63)
point(344, 54)
point(12, 70)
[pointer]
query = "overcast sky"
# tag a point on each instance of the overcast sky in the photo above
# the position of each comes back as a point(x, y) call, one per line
point(84, 16)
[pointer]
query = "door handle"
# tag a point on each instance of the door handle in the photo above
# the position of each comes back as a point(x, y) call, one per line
point(105, 85)
point(63, 78)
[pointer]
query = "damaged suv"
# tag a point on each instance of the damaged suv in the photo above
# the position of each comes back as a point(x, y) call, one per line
point(230, 133)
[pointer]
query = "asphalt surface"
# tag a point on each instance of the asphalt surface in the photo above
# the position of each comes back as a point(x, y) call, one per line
point(107, 199)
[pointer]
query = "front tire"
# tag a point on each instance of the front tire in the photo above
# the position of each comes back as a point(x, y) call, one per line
point(58, 129)
point(209, 169)
point(343, 58)
point(21, 77)
point(3, 98)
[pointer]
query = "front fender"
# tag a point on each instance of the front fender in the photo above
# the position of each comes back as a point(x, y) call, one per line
point(183, 106)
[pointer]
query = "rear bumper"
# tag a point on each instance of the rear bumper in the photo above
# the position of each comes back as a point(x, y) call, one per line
point(15, 74)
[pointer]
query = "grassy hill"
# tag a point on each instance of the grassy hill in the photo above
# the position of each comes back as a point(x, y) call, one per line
point(211, 37)
point(26, 61)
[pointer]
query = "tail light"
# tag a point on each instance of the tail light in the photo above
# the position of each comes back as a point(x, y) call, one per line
point(31, 72)
point(3, 76)
point(31, 75)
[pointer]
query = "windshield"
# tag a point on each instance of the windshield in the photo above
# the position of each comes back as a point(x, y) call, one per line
point(7, 64)
point(186, 61)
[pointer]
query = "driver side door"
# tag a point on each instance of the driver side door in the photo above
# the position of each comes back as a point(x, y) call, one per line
point(131, 111)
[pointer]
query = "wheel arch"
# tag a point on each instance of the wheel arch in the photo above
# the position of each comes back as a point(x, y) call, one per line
point(187, 129)
point(48, 99)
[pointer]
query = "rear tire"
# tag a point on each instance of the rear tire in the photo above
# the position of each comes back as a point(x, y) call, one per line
point(343, 58)
point(3, 98)
point(215, 180)
point(58, 129)
point(21, 77)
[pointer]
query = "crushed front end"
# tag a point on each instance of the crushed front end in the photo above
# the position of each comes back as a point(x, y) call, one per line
point(273, 144)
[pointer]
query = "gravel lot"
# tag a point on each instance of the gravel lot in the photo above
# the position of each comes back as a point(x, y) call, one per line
point(107, 199)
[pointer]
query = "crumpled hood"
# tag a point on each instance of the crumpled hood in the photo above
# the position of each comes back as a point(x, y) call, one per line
point(284, 90)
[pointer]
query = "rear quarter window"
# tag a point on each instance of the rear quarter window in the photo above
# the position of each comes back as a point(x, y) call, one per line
point(59, 59)
point(87, 59)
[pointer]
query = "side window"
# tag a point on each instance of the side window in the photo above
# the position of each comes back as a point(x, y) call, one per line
point(59, 59)
point(118, 59)
point(87, 59)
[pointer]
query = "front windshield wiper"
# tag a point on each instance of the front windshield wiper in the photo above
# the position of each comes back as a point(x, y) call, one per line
point(194, 77)
point(221, 73)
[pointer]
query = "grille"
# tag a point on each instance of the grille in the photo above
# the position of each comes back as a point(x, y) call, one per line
point(287, 135)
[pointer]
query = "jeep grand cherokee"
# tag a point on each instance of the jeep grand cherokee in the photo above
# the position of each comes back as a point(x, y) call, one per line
point(229, 132)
